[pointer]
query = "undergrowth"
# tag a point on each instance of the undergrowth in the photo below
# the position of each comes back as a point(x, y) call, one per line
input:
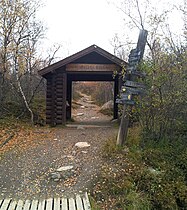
point(150, 177)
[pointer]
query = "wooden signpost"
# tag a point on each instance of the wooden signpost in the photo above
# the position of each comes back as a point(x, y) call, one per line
point(131, 87)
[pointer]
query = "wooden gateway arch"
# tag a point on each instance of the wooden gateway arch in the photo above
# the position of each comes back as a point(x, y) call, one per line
point(90, 64)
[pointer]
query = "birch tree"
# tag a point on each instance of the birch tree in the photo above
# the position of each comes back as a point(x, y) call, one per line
point(20, 33)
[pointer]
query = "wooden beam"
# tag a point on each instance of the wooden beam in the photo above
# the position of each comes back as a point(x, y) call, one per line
point(69, 99)
point(92, 67)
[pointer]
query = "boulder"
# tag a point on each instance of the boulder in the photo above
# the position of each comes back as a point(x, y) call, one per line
point(108, 105)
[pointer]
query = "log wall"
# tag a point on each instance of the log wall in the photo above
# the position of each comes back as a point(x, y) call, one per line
point(56, 99)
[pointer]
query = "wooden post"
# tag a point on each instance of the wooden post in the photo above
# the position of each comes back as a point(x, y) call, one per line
point(69, 99)
point(123, 129)
point(64, 98)
point(116, 92)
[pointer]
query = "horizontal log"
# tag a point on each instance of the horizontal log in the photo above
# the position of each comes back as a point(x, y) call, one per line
point(59, 94)
point(60, 74)
point(59, 122)
point(59, 91)
point(58, 112)
point(59, 109)
point(59, 117)
point(48, 95)
point(59, 103)
point(59, 79)
point(48, 109)
point(48, 113)
point(48, 98)
point(49, 91)
point(48, 88)
point(59, 86)
point(49, 102)
point(60, 99)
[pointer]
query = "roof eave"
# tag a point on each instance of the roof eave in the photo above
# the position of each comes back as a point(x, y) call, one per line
point(92, 48)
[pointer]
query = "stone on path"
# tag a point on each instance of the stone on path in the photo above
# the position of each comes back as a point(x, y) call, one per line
point(80, 127)
point(64, 168)
point(80, 114)
point(55, 176)
point(93, 118)
point(82, 144)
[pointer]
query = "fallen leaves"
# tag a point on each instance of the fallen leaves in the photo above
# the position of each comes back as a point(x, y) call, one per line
point(34, 152)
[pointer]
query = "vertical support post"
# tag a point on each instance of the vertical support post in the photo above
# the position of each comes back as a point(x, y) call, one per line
point(123, 129)
point(116, 92)
point(69, 99)
point(64, 96)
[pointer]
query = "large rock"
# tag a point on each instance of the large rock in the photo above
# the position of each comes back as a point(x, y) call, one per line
point(108, 105)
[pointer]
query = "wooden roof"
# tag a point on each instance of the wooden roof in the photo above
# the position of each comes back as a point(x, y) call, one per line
point(81, 56)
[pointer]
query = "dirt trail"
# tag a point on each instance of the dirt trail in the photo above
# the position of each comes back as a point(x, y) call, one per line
point(88, 113)
point(26, 173)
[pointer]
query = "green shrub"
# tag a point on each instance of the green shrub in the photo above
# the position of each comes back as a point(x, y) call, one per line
point(152, 177)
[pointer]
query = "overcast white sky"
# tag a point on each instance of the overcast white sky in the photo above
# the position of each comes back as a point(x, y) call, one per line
point(77, 24)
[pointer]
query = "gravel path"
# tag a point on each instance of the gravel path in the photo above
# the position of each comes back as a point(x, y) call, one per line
point(26, 173)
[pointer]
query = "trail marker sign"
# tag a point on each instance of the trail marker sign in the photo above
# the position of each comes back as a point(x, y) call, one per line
point(131, 87)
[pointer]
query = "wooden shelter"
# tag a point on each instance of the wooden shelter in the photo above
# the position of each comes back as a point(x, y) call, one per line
point(90, 64)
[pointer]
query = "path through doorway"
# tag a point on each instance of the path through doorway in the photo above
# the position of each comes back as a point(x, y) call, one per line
point(86, 112)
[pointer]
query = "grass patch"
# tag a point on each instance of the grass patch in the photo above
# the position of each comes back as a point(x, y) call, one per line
point(149, 177)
